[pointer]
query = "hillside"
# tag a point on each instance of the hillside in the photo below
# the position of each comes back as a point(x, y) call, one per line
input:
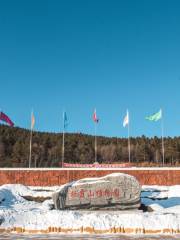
point(79, 148)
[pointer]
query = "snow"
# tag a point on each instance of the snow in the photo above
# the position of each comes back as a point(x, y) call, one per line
point(16, 211)
point(99, 179)
point(166, 199)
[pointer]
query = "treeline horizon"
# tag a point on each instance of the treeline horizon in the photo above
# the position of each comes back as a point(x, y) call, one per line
point(79, 148)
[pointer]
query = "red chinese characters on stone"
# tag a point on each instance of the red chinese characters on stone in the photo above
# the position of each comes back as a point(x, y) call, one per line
point(82, 193)
point(99, 193)
point(91, 194)
point(73, 194)
point(107, 193)
point(116, 193)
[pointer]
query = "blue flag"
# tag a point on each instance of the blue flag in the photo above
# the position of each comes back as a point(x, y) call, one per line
point(65, 120)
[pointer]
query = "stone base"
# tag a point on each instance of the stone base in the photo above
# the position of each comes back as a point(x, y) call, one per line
point(90, 230)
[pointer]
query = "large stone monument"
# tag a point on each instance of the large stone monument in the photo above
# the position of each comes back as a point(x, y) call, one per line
point(115, 191)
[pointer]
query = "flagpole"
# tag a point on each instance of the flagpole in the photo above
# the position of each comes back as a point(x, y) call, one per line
point(30, 148)
point(30, 143)
point(63, 137)
point(63, 140)
point(129, 144)
point(63, 148)
point(95, 142)
point(162, 136)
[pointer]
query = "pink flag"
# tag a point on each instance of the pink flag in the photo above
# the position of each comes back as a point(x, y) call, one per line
point(32, 120)
point(95, 118)
point(5, 118)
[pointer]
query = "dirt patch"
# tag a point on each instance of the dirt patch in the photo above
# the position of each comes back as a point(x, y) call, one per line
point(145, 208)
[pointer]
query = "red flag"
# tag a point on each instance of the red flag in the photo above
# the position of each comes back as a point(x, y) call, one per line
point(95, 118)
point(5, 118)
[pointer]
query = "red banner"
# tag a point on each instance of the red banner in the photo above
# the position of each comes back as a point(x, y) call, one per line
point(78, 165)
point(5, 118)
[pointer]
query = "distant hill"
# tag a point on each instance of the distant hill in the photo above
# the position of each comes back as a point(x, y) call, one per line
point(79, 148)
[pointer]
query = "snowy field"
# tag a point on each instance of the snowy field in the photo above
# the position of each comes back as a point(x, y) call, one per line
point(31, 209)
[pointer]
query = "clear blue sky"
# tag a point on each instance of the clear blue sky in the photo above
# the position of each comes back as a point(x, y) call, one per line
point(78, 55)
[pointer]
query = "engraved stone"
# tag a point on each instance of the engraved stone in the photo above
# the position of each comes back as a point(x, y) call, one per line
point(115, 191)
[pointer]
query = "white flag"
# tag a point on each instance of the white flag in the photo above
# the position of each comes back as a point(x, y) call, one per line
point(126, 119)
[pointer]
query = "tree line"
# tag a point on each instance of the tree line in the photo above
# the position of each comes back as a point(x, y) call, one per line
point(79, 148)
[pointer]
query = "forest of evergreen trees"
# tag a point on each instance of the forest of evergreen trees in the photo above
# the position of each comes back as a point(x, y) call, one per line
point(79, 148)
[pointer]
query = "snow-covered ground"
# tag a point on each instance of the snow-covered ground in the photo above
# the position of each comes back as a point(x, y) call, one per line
point(16, 212)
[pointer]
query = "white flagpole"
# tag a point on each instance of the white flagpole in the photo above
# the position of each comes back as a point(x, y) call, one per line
point(63, 149)
point(63, 142)
point(30, 149)
point(162, 136)
point(95, 142)
point(129, 144)
point(30, 144)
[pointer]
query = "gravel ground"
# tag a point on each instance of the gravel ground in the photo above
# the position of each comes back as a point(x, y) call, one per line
point(89, 237)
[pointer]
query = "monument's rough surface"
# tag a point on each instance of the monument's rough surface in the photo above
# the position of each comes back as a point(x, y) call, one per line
point(115, 191)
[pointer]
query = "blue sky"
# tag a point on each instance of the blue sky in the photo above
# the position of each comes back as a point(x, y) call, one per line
point(78, 55)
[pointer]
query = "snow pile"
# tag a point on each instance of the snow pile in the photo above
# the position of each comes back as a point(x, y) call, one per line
point(16, 211)
point(163, 199)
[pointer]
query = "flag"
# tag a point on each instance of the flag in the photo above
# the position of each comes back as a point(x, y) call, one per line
point(155, 117)
point(5, 118)
point(126, 119)
point(95, 118)
point(65, 120)
point(32, 120)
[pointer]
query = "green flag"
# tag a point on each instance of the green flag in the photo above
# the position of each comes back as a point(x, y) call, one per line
point(155, 117)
